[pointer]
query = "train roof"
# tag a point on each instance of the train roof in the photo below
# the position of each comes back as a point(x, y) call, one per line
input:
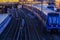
point(53, 14)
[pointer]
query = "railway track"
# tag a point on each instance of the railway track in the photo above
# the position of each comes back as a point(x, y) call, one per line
point(23, 27)
point(31, 26)
point(11, 31)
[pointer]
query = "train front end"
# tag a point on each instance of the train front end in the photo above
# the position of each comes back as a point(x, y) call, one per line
point(53, 22)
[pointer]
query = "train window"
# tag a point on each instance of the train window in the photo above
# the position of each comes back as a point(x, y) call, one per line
point(53, 20)
point(50, 20)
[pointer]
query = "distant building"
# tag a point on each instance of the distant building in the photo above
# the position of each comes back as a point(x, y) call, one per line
point(57, 3)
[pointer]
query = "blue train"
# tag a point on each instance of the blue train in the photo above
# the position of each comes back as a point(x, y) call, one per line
point(51, 7)
point(53, 22)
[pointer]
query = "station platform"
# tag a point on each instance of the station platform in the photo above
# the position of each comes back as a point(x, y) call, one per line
point(3, 17)
point(4, 21)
